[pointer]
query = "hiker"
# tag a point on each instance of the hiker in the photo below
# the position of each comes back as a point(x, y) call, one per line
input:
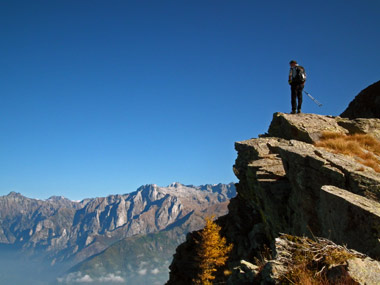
point(297, 78)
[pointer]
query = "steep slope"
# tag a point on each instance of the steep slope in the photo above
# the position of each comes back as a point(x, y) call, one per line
point(30, 222)
point(287, 185)
point(141, 259)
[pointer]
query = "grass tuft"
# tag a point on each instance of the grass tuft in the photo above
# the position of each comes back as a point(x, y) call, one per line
point(363, 147)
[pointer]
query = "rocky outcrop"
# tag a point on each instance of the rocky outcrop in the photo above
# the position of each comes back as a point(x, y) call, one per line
point(366, 104)
point(303, 127)
point(309, 127)
point(288, 185)
point(286, 181)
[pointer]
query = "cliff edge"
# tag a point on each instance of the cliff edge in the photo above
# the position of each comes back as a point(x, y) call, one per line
point(291, 193)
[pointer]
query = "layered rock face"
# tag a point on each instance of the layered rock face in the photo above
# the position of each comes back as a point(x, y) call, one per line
point(287, 185)
point(64, 230)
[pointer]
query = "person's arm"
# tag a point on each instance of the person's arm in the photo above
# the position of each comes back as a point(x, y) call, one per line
point(290, 76)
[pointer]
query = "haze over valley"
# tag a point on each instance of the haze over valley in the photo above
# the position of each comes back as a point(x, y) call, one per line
point(59, 234)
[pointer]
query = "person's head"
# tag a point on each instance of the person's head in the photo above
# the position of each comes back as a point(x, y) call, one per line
point(293, 63)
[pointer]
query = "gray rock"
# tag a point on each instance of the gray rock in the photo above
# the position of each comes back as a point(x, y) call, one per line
point(245, 273)
point(366, 104)
point(350, 219)
point(309, 127)
point(364, 270)
point(361, 126)
point(302, 127)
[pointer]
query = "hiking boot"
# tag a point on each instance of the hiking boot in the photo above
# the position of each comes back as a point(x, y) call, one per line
point(299, 111)
point(293, 112)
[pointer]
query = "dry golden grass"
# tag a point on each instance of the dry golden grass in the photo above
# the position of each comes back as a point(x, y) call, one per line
point(363, 147)
point(305, 276)
point(311, 261)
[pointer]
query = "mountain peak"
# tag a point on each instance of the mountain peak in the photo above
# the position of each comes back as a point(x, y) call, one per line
point(14, 194)
point(56, 198)
point(175, 185)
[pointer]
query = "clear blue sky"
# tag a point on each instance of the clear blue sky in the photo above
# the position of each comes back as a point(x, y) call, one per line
point(100, 97)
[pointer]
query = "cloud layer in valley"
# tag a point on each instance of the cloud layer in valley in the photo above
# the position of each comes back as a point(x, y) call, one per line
point(79, 277)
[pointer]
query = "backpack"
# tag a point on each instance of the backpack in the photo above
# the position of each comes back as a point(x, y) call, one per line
point(300, 75)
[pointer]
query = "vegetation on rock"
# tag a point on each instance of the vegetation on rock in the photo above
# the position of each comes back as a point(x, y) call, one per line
point(363, 147)
point(316, 262)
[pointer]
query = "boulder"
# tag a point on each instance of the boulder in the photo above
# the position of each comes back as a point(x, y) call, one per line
point(350, 219)
point(245, 273)
point(366, 104)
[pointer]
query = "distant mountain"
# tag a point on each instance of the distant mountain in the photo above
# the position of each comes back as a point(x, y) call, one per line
point(66, 232)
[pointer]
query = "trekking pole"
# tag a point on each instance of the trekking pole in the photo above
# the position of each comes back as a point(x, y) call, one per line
point(312, 98)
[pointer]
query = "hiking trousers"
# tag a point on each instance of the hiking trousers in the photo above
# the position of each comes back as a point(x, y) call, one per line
point(296, 96)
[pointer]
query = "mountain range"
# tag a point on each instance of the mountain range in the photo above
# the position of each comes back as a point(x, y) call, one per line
point(141, 227)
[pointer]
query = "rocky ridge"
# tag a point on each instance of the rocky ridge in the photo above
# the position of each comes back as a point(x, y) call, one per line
point(66, 231)
point(287, 185)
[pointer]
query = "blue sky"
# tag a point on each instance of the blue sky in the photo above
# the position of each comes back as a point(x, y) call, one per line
point(100, 97)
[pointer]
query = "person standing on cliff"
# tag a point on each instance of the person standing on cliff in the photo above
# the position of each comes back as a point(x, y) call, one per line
point(297, 78)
